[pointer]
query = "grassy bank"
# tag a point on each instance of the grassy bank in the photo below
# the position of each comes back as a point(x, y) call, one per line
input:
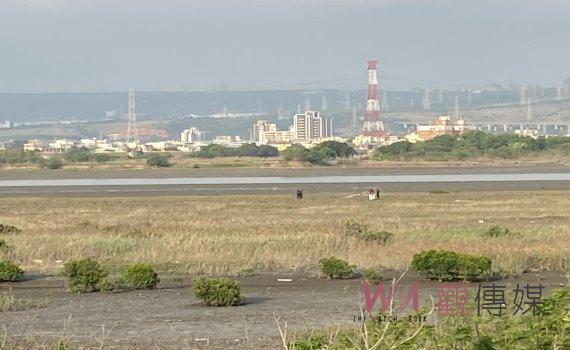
point(234, 234)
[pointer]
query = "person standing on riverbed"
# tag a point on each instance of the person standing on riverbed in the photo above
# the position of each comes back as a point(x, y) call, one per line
point(300, 193)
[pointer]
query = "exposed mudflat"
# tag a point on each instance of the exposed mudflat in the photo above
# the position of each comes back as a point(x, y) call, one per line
point(405, 168)
point(171, 318)
point(220, 189)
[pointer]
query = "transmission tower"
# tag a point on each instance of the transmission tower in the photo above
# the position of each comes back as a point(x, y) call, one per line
point(456, 109)
point(308, 104)
point(384, 104)
point(324, 106)
point(529, 109)
point(347, 105)
point(373, 125)
point(354, 118)
point(132, 128)
point(425, 101)
point(523, 95)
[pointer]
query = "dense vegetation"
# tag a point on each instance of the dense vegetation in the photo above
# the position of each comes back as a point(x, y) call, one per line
point(84, 276)
point(84, 154)
point(320, 153)
point(363, 232)
point(548, 329)
point(73, 155)
point(14, 157)
point(246, 150)
point(8, 229)
point(445, 265)
point(336, 268)
point(10, 272)
point(218, 291)
point(159, 161)
point(139, 276)
point(473, 144)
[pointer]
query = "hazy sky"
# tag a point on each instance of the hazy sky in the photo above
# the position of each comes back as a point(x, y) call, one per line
point(109, 45)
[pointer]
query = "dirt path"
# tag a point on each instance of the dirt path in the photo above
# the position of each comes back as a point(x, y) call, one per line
point(171, 318)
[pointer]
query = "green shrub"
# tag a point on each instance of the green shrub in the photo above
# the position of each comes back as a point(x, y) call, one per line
point(218, 291)
point(10, 272)
point(83, 276)
point(8, 229)
point(446, 265)
point(497, 231)
point(467, 332)
point(381, 236)
point(159, 161)
point(54, 163)
point(360, 231)
point(336, 268)
point(372, 276)
point(107, 284)
point(139, 276)
point(103, 158)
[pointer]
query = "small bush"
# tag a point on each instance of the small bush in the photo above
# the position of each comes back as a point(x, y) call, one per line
point(139, 276)
point(83, 276)
point(54, 163)
point(10, 272)
point(103, 157)
point(447, 266)
point(372, 276)
point(534, 263)
point(159, 161)
point(381, 236)
point(8, 229)
point(360, 231)
point(218, 291)
point(5, 248)
point(336, 268)
point(439, 192)
point(497, 231)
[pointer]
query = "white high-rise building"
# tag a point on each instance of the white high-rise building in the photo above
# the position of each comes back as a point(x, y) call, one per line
point(191, 135)
point(260, 128)
point(264, 132)
point(310, 126)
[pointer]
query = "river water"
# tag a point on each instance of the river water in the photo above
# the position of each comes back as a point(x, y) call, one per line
point(252, 180)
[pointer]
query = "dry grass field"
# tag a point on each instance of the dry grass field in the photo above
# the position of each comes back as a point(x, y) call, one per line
point(240, 234)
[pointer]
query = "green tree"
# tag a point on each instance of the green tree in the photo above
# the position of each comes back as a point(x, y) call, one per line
point(77, 154)
point(295, 152)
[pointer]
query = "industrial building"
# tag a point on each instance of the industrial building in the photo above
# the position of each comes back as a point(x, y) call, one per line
point(443, 125)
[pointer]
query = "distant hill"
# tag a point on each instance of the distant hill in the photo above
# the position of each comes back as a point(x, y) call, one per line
point(20, 107)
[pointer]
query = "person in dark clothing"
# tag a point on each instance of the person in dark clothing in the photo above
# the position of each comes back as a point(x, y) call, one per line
point(377, 193)
point(299, 194)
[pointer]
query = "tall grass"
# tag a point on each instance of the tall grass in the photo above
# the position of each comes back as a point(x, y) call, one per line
point(230, 234)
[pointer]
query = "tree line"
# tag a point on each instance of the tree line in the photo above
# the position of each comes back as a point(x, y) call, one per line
point(473, 144)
